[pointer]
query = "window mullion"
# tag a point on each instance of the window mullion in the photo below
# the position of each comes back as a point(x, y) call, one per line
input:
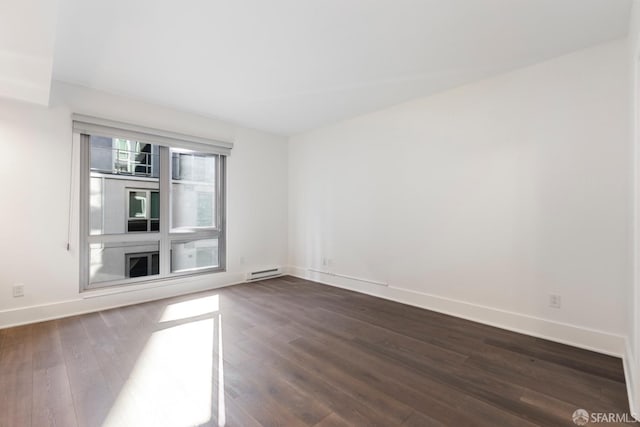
point(165, 211)
point(195, 235)
point(147, 214)
point(124, 238)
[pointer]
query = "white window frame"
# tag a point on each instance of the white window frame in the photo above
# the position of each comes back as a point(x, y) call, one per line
point(83, 127)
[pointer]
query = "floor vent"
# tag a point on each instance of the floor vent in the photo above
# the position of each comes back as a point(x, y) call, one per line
point(264, 274)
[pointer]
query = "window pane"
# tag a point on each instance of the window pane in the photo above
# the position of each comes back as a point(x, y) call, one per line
point(124, 179)
point(114, 204)
point(118, 156)
point(155, 205)
point(138, 266)
point(101, 153)
point(194, 255)
point(117, 261)
point(137, 225)
point(97, 218)
point(204, 216)
point(155, 263)
point(137, 204)
point(193, 190)
point(192, 167)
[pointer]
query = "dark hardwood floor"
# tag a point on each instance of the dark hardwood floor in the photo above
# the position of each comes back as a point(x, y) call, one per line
point(289, 352)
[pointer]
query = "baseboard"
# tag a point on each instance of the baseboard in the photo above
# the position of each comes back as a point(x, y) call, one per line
point(632, 380)
point(112, 298)
point(576, 336)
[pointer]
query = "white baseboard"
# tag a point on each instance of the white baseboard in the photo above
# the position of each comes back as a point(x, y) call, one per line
point(589, 339)
point(632, 381)
point(117, 297)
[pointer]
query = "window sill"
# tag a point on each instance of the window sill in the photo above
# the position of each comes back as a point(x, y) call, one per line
point(147, 284)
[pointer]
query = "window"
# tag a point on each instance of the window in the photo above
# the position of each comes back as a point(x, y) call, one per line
point(143, 207)
point(123, 156)
point(142, 264)
point(132, 157)
point(194, 254)
point(193, 190)
point(153, 204)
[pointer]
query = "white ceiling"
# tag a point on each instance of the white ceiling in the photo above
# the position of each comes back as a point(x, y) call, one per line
point(290, 65)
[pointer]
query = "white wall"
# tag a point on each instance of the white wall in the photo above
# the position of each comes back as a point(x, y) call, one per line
point(35, 143)
point(633, 352)
point(27, 42)
point(482, 201)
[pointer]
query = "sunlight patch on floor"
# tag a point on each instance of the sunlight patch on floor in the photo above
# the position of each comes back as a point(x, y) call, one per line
point(191, 308)
point(174, 378)
point(221, 406)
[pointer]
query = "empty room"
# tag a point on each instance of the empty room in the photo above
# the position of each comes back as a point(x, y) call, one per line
point(319, 213)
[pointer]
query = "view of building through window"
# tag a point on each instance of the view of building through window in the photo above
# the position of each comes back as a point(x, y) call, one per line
point(127, 197)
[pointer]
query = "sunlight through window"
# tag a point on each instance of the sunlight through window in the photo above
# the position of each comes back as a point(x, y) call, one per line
point(191, 308)
point(221, 407)
point(172, 383)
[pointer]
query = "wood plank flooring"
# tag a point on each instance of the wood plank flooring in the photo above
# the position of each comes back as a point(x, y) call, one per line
point(289, 352)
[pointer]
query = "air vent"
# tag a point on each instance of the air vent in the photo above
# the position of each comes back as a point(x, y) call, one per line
point(264, 274)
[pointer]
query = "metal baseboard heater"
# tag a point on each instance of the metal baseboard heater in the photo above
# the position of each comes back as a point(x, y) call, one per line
point(264, 274)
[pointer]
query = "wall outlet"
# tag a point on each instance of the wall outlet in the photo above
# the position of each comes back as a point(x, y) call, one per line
point(324, 262)
point(242, 260)
point(555, 301)
point(18, 290)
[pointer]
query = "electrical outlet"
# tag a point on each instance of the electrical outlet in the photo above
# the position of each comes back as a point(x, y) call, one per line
point(18, 290)
point(555, 301)
point(242, 260)
point(324, 262)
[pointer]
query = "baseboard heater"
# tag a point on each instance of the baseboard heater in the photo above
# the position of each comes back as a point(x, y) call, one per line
point(264, 274)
